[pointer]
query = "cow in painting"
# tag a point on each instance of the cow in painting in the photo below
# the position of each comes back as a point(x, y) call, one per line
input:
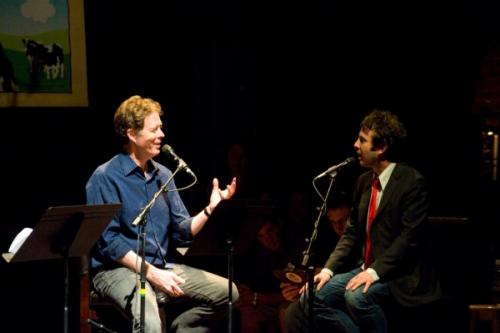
point(46, 58)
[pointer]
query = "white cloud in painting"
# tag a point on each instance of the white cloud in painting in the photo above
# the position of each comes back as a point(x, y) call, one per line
point(38, 10)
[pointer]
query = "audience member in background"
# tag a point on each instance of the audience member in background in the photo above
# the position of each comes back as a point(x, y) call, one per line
point(238, 162)
point(297, 224)
point(331, 228)
point(337, 214)
point(259, 289)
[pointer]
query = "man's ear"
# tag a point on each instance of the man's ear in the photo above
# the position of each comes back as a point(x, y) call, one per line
point(382, 150)
point(131, 135)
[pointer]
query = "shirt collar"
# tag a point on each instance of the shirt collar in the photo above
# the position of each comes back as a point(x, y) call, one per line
point(386, 175)
point(129, 166)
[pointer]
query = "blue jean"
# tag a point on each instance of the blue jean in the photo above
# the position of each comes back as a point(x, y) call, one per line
point(338, 310)
point(206, 293)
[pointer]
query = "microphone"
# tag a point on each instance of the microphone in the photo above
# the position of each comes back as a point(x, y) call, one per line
point(167, 150)
point(331, 170)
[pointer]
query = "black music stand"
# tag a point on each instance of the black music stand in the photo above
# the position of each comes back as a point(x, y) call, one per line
point(64, 232)
point(230, 229)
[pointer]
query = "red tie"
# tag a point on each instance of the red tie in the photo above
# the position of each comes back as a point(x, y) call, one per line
point(372, 210)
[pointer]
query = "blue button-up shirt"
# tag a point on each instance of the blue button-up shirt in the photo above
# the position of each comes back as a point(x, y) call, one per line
point(121, 180)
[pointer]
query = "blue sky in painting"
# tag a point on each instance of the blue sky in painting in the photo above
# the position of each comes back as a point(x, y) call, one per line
point(31, 17)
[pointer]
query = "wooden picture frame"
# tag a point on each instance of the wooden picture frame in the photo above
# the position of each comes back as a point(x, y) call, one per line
point(58, 75)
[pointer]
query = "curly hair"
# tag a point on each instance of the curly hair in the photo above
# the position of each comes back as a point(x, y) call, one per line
point(387, 128)
point(131, 114)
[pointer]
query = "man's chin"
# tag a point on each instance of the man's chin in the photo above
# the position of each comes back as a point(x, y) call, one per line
point(362, 163)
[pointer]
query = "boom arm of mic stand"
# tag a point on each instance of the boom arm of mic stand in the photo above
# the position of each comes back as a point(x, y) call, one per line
point(140, 218)
point(321, 212)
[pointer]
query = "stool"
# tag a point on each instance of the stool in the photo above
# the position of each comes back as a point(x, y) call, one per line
point(96, 312)
point(484, 312)
point(91, 305)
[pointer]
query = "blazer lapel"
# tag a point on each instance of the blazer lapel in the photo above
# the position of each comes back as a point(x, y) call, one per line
point(364, 203)
point(388, 190)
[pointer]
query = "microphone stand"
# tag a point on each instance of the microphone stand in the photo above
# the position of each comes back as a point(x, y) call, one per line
point(230, 250)
point(305, 260)
point(99, 327)
point(141, 221)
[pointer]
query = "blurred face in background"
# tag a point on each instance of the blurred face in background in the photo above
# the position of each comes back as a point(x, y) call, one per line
point(268, 236)
point(337, 218)
point(236, 159)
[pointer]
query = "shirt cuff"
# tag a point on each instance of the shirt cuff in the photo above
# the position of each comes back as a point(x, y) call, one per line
point(327, 271)
point(373, 274)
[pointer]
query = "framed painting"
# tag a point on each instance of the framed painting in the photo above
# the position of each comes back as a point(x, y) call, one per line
point(42, 53)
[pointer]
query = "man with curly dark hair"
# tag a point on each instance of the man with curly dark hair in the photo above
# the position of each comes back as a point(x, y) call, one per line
point(387, 231)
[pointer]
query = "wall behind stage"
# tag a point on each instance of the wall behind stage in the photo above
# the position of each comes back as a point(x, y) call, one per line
point(293, 82)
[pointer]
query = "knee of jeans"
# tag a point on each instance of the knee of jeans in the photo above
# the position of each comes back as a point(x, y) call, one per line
point(234, 294)
point(292, 313)
point(355, 299)
point(222, 296)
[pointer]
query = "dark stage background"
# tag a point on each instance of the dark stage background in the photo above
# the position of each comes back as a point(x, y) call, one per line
point(290, 80)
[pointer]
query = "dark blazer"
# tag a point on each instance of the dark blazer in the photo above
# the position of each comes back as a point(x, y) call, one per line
point(400, 240)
